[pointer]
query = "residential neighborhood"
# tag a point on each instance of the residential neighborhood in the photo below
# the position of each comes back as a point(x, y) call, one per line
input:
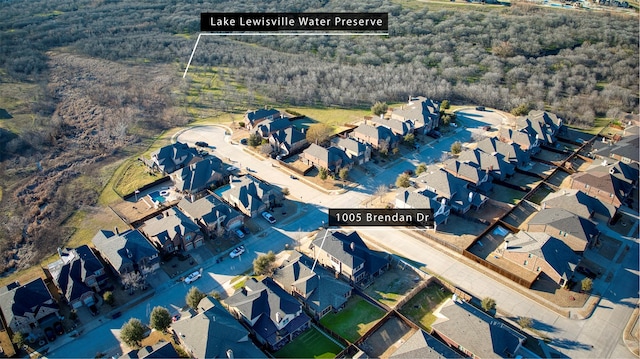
point(525, 208)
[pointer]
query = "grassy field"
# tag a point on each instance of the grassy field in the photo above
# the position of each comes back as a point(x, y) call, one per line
point(354, 320)
point(420, 308)
point(393, 285)
point(334, 117)
point(310, 344)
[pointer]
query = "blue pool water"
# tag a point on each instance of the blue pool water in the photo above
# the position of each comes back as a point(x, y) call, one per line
point(157, 197)
point(219, 190)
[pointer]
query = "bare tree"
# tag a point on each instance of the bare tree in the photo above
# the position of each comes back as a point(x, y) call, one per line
point(381, 191)
point(133, 280)
point(318, 133)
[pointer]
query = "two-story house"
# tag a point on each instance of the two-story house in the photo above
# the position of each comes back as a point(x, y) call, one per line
point(511, 151)
point(577, 232)
point(379, 137)
point(526, 141)
point(254, 117)
point(479, 180)
point(172, 157)
point(212, 215)
point(493, 163)
point(28, 308)
point(252, 196)
point(358, 152)
point(268, 127)
point(127, 251)
point(423, 113)
point(542, 125)
point(332, 158)
point(78, 274)
point(288, 141)
point(416, 200)
point(348, 256)
point(173, 231)
point(580, 203)
point(611, 183)
point(319, 292)
point(441, 185)
point(199, 176)
point(274, 316)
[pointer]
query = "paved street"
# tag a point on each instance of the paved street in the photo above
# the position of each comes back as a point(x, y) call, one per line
point(596, 337)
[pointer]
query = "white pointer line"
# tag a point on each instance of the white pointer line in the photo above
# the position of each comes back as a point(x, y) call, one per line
point(278, 34)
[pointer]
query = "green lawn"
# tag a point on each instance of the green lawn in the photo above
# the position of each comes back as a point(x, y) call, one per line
point(136, 175)
point(354, 320)
point(310, 344)
point(420, 308)
point(335, 117)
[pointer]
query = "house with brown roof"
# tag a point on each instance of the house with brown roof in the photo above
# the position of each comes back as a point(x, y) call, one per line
point(611, 183)
point(173, 231)
point(624, 148)
point(577, 232)
point(542, 254)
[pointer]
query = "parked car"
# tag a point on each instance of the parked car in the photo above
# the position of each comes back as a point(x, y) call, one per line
point(480, 108)
point(244, 141)
point(486, 128)
point(268, 217)
point(175, 318)
point(202, 144)
point(51, 335)
point(232, 168)
point(293, 177)
point(237, 252)
point(116, 315)
point(192, 277)
point(238, 233)
point(586, 271)
point(58, 328)
point(434, 134)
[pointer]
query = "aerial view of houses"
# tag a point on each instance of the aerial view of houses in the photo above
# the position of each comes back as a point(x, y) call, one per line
point(171, 193)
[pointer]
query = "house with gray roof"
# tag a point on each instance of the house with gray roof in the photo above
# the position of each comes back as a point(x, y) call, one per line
point(253, 117)
point(77, 275)
point(160, 350)
point(398, 127)
point(511, 151)
point(542, 254)
point(441, 185)
point(267, 127)
point(288, 141)
point(577, 232)
point(358, 152)
point(317, 290)
point(173, 157)
point(423, 345)
point(580, 203)
point(349, 256)
point(211, 214)
point(624, 149)
point(477, 334)
point(611, 183)
point(332, 158)
point(527, 142)
point(493, 163)
point(252, 196)
point(28, 308)
point(542, 125)
point(416, 200)
point(423, 113)
point(274, 316)
point(378, 137)
point(127, 252)
point(479, 180)
point(199, 176)
point(172, 231)
point(214, 333)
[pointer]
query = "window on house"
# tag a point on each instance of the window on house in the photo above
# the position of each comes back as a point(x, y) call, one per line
point(538, 269)
point(560, 232)
point(586, 186)
point(526, 262)
point(530, 255)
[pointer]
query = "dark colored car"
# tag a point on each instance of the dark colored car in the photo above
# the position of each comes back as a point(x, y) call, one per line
point(51, 335)
point(480, 108)
point(434, 134)
point(202, 144)
point(116, 315)
point(58, 328)
point(244, 141)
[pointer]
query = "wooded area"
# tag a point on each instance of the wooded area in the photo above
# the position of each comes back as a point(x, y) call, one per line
point(106, 74)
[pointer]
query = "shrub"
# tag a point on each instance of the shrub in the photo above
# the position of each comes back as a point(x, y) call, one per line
point(160, 318)
point(108, 297)
point(379, 108)
point(456, 147)
point(194, 296)
point(488, 304)
point(403, 180)
point(132, 332)
point(264, 264)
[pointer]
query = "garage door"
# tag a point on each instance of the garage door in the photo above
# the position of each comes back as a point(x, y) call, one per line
point(188, 246)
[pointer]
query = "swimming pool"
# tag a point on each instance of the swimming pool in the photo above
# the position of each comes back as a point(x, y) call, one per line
point(156, 196)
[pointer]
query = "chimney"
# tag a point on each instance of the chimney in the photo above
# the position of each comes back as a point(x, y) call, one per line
point(470, 196)
point(230, 354)
point(115, 229)
point(193, 198)
point(278, 318)
point(60, 252)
